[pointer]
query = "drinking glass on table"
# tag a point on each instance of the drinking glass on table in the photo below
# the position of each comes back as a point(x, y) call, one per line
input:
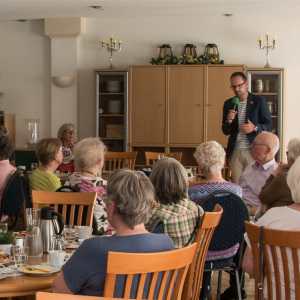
point(19, 255)
point(3, 227)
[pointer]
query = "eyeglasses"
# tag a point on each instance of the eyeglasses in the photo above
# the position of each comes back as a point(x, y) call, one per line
point(238, 85)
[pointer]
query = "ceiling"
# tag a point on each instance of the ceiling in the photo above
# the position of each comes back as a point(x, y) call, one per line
point(38, 9)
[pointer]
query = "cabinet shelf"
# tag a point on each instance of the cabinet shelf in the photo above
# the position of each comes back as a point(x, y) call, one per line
point(266, 94)
point(110, 115)
point(111, 139)
point(109, 93)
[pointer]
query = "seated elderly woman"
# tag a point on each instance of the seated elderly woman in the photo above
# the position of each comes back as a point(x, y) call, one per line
point(49, 155)
point(130, 196)
point(276, 192)
point(178, 215)
point(6, 150)
point(89, 160)
point(210, 157)
point(66, 133)
point(283, 218)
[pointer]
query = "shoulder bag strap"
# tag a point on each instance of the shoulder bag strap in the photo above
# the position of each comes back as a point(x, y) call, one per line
point(260, 283)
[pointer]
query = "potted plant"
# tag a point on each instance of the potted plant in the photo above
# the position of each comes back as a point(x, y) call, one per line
point(6, 240)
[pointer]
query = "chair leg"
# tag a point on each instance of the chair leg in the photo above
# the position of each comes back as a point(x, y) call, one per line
point(219, 285)
point(238, 286)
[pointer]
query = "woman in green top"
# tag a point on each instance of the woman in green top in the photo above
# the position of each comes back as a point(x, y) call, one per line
point(50, 156)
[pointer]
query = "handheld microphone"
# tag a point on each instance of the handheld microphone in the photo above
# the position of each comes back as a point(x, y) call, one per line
point(236, 102)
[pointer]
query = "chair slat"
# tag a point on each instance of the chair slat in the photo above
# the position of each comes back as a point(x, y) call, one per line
point(80, 214)
point(296, 267)
point(152, 286)
point(64, 212)
point(163, 285)
point(173, 278)
point(141, 286)
point(276, 272)
point(72, 215)
point(286, 273)
point(128, 284)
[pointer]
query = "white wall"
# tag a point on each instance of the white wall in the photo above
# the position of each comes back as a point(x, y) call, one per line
point(24, 74)
point(25, 57)
point(236, 38)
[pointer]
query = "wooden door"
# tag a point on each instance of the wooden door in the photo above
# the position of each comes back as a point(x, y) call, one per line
point(186, 99)
point(218, 90)
point(148, 105)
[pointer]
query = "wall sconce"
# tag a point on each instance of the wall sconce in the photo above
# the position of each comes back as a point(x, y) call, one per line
point(63, 81)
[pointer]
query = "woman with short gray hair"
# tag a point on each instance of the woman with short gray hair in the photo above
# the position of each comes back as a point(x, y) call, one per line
point(89, 160)
point(129, 200)
point(276, 192)
point(175, 212)
point(210, 157)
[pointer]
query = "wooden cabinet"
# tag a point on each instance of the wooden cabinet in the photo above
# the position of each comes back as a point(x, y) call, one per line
point(178, 106)
point(112, 108)
point(186, 103)
point(148, 105)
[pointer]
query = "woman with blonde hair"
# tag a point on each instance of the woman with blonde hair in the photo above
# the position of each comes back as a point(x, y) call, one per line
point(89, 160)
point(66, 133)
point(49, 155)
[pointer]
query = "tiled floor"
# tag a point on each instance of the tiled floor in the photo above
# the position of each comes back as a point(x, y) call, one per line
point(249, 285)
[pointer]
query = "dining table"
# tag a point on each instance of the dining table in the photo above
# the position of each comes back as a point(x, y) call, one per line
point(24, 284)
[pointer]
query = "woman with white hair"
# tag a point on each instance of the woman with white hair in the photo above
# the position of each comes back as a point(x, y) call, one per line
point(89, 160)
point(283, 218)
point(66, 133)
point(276, 192)
point(210, 157)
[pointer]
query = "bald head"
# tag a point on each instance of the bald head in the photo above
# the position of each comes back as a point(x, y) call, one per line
point(269, 139)
point(265, 147)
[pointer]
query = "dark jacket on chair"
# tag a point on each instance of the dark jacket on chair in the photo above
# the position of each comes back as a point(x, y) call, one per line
point(257, 112)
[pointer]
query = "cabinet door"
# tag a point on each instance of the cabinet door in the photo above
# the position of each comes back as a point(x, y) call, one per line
point(148, 105)
point(218, 90)
point(186, 98)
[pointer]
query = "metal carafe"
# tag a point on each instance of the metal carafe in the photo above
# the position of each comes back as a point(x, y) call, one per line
point(51, 224)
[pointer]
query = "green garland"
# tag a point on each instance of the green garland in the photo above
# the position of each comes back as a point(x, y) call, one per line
point(185, 60)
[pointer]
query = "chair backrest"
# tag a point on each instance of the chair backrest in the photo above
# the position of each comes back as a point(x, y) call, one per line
point(160, 275)
point(281, 257)
point(74, 207)
point(119, 160)
point(231, 228)
point(193, 282)
point(57, 296)
point(152, 157)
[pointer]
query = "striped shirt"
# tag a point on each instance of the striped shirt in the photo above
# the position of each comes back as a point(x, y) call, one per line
point(242, 141)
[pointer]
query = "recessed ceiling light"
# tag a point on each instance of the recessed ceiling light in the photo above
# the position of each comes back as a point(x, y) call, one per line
point(99, 7)
point(227, 14)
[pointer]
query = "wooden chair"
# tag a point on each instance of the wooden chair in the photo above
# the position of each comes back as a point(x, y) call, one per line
point(161, 274)
point(193, 283)
point(281, 257)
point(119, 160)
point(57, 296)
point(74, 207)
point(152, 157)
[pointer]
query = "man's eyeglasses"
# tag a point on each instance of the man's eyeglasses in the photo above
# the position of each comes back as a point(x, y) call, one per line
point(238, 85)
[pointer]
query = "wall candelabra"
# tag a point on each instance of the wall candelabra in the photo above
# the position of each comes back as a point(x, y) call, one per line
point(267, 43)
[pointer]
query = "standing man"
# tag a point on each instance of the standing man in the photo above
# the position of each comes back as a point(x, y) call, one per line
point(244, 116)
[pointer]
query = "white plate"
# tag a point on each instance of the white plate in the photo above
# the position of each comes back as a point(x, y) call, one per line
point(38, 270)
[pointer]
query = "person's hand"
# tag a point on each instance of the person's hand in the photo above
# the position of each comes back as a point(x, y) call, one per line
point(247, 127)
point(280, 169)
point(231, 115)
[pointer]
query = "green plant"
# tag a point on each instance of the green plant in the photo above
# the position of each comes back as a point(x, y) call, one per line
point(6, 238)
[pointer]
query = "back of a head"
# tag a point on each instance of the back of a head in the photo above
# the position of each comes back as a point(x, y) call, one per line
point(6, 145)
point(87, 153)
point(210, 156)
point(270, 139)
point(293, 150)
point(170, 180)
point(46, 150)
point(133, 194)
point(293, 180)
